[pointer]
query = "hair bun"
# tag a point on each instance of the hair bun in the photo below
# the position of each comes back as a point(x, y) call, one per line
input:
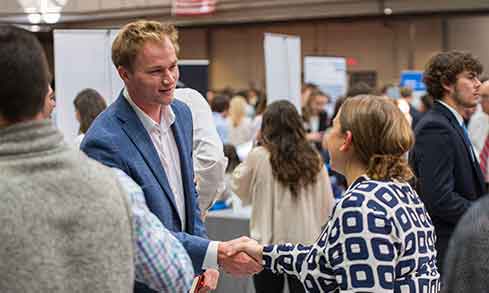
point(387, 167)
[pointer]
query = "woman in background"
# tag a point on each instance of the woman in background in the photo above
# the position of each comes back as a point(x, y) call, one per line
point(316, 118)
point(240, 127)
point(88, 105)
point(380, 237)
point(288, 187)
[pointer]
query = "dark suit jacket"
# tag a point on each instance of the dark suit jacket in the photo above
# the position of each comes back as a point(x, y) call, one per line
point(416, 115)
point(117, 138)
point(448, 180)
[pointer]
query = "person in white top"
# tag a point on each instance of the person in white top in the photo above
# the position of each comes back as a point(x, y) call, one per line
point(240, 127)
point(479, 124)
point(208, 155)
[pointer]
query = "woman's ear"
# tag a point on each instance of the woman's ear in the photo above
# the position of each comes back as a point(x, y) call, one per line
point(348, 141)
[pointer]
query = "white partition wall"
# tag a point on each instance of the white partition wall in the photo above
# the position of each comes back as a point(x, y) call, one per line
point(82, 60)
point(283, 68)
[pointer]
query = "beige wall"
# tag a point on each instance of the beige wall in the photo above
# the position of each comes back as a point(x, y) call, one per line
point(236, 52)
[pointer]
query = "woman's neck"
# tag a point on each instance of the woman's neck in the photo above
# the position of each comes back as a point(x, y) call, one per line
point(353, 171)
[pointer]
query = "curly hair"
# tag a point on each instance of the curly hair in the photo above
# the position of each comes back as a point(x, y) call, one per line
point(381, 136)
point(295, 163)
point(443, 68)
point(89, 104)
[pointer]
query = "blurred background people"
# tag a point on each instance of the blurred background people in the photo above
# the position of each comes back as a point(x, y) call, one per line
point(220, 111)
point(407, 96)
point(306, 91)
point(240, 128)
point(288, 187)
point(426, 103)
point(88, 105)
point(316, 118)
point(479, 130)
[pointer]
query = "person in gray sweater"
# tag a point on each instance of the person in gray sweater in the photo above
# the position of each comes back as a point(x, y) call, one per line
point(65, 220)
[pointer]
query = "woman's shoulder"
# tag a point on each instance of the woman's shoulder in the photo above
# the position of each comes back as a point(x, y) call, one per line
point(380, 195)
point(259, 153)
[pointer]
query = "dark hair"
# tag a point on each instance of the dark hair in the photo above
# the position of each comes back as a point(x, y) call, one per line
point(359, 88)
point(261, 105)
point(220, 104)
point(381, 136)
point(25, 75)
point(307, 109)
point(444, 67)
point(295, 163)
point(232, 155)
point(427, 101)
point(89, 104)
point(406, 92)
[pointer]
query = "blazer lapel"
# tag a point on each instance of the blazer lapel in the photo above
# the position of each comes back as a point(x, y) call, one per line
point(186, 166)
point(468, 145)
point(136, 132)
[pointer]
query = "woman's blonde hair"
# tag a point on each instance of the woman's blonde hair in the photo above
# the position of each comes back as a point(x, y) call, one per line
point(381, 136)
point(134, 35)
point(237, 110)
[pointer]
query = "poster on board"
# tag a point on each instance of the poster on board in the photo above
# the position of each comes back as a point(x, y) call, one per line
point(329, 74)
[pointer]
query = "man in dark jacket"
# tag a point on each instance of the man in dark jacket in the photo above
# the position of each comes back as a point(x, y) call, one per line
point(449, 178)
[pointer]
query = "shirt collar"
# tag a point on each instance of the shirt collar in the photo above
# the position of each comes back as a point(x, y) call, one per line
point(167, 116)
point(457, 115)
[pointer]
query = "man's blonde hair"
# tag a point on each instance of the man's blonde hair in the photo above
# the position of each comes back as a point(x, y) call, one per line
point(134, 35)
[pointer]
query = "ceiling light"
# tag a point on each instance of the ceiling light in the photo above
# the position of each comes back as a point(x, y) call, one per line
point(51, 17)
point(34, 18)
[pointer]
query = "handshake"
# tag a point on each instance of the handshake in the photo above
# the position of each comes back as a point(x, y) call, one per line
point(240, 257)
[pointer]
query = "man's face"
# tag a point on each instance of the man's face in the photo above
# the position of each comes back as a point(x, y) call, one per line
point(466, 89)
point(484, 95)
point(154, 74)
point(49, 104)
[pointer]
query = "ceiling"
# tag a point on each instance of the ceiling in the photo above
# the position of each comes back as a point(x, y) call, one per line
point(112, 13)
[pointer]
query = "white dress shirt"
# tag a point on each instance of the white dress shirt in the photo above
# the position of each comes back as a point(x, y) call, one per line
point(208, 155)
point(166, 147)
point(478, 130)
point(460, 121)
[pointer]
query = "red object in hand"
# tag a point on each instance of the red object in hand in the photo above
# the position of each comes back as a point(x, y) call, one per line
point(197, 284)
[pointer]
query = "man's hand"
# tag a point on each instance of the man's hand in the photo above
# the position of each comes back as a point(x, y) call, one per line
point(211, 277)
point(247, 245)
point(235, 262)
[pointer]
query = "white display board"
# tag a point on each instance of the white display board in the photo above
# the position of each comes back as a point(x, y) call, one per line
point(283, 68)
point(81, 60)
point(329, 74)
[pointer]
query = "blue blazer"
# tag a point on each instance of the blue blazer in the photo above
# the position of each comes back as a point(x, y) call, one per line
point(448, 179)
point(117, 138)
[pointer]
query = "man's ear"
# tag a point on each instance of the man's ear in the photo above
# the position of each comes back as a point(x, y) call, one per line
point(348, 142)
point(123, 73)
point(447, 86)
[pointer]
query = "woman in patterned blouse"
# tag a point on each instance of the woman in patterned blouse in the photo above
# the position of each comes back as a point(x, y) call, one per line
point(380, 237)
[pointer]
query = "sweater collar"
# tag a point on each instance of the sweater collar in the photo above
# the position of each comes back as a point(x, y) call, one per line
point(29, 137)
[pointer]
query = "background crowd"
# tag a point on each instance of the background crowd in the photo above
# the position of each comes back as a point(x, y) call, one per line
point(376, 195)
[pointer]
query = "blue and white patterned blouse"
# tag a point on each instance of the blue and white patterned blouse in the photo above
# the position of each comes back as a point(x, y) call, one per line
point(379, 238)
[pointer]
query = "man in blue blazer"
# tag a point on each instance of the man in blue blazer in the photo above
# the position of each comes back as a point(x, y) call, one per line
point(148, 134)
point(449, 178)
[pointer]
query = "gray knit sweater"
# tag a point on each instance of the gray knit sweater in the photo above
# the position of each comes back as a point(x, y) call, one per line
point(65, 224)
point(467, 261)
